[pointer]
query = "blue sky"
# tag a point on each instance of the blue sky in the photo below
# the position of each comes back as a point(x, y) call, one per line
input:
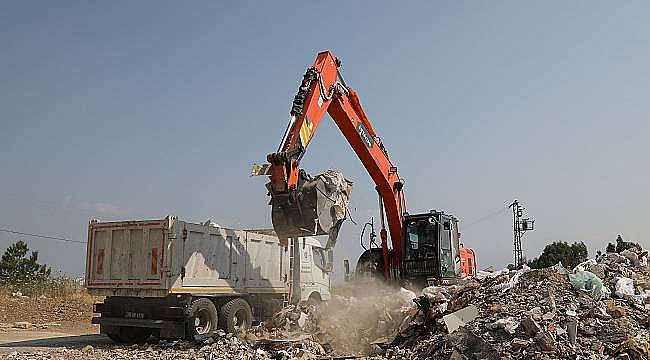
point(123, 110)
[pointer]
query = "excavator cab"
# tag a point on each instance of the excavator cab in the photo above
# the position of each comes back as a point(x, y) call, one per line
point(432, 252)
point(431, 248)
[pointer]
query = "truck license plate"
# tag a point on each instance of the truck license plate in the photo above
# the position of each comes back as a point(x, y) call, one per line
point(133, 315)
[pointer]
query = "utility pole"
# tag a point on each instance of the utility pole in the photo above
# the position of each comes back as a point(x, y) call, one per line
point(519, 226)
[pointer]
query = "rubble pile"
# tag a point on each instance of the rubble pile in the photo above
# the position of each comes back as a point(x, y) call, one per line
point(345, 325)
point(597, 311)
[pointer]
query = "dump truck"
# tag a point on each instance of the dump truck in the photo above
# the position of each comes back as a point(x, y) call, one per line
point(176, 279)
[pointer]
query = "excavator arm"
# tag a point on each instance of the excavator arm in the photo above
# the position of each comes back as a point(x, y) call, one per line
point(324, 90)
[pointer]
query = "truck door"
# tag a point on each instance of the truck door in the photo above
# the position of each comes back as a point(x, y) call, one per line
point(306, 263)
point(321, 271)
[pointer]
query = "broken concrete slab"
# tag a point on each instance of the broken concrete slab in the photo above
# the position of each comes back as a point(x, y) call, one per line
point(460, 318)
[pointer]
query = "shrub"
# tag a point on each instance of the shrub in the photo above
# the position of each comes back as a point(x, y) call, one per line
point(561, 251)
point(20, 270)
point(621, 245)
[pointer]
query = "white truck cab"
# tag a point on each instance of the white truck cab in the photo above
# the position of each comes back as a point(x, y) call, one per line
point(315, 269)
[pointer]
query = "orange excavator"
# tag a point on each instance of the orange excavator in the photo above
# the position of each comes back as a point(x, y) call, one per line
point(426, 247)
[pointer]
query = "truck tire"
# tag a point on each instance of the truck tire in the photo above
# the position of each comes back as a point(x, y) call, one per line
point(131, 335)
point(236, 315)
point(314, 299)
point(115, 337)
point(202, 319)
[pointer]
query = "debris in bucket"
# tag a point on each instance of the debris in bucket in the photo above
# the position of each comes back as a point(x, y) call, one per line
point(319, 207)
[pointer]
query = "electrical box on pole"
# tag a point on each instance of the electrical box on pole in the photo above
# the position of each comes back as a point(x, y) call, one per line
point(519, 226)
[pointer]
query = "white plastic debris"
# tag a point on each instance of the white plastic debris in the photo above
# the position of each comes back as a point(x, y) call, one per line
point(624, 287)
point(514, 280)
point(508, 324)
point(584, 266)
point(337, 188)
point(302, 320)
point(482, 274)
point(560, 269)
point(211, 223)
point(434, 293)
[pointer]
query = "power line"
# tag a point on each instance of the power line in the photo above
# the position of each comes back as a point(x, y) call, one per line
point(42, 236)
point(499, 211)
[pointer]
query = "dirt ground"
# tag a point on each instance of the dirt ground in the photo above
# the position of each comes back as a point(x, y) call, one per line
point(29, 324)
point(71, 315)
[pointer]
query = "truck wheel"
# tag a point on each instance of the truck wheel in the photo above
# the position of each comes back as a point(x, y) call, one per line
point(236, 315)
point(115, 337)
point(132, 335)
point(201, 320)
point(314, 299)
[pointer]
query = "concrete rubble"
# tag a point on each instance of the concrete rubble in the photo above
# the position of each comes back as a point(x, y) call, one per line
point(599, 310)
point(541, 314)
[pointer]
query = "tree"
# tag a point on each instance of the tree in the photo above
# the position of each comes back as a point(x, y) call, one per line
point(624, 245)
point(561, 251)
point(17, 268)
point(621, 245)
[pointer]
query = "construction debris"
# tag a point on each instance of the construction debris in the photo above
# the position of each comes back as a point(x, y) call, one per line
point(460, 318)
point(597, 311)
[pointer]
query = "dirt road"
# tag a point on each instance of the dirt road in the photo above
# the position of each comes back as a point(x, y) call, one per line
point(35, 341)
point(41, 324)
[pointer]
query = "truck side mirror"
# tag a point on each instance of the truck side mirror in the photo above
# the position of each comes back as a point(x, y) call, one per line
point(346, 265)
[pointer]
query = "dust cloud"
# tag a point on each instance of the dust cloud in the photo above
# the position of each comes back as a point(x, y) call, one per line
point(362, 312)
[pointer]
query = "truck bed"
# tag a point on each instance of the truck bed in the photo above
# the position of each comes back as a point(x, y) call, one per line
point(154, 258)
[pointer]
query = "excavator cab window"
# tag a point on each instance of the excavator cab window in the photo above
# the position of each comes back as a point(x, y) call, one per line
point(447, 268)
point(414, 239)
point(422, 240)
point(421, 248)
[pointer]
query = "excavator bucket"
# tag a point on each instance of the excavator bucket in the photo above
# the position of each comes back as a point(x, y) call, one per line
point(318, 207)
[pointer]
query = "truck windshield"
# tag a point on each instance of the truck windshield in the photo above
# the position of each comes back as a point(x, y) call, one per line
point(319, 258)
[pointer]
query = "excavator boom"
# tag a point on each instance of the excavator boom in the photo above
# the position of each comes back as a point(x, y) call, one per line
point(324, 90)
